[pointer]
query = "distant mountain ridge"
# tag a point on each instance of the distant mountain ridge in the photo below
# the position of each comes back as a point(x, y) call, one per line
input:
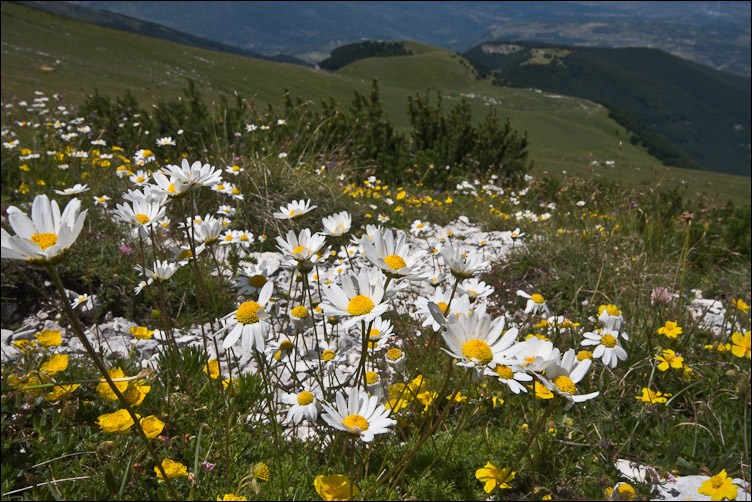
point(122, 22)
point(714, 33)
point(704, 112)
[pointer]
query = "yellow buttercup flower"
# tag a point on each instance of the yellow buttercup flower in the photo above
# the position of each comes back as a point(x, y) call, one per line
point(172, 469)
point(119, 421)
point(212, 369)
point(61, 392)
point(334, 487)
point(142, 332)
point(25, 346)
point(152, 426)
point(55, 364)
point(669, 359)
point(493, 477)
point(231, 496)
point(740, 305)
point(671, 329)
point(49, 338)
point(719, 487)
point(650, 396)
point(741, 347)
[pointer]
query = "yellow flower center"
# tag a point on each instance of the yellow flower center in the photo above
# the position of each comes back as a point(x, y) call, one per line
point(140, 179)
point(584, 354)
point(147, 153)
point(171, 188)
point(327, 355)
point(286, 345)
point(300, 312)
point(305, 398)
point(477, 349)
point(142, 219)
point(301, 250)
point(353, 421)
point(565, 384)
point(717, 482)
point(537, 298)
point(360, 305)
point(246, 313)
point(236, 168)
point(395, 262)
point(444, 307)
point(504, 371)
point(45, 240)
point(257, 281)
point(372, 377)
point(185, 254)
point(393, 354)
point(374, 333)
point(609, 341)
point(613, 310)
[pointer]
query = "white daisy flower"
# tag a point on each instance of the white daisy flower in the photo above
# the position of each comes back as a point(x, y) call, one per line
point(474, 289)
point(393, 256)
point(419, 228)
point(356, 301)
point(359, 414)
point(477, 342)
point(183, 254)
point(507, 375)
point(563, 375)
point(534, 355)
point(74, 190)
point(440, 298)
point(462, 264)
point(535, 303)
point(608, 348)
point(101, 201)
point(234, 169)
point(166, 141)
point(337, 224)
point(47, 235)
point(248, 321)
point(141, 178)
point(140, 213)
point(254, 277)
point(193, 176)
point(294, 209)
point(84, 300)
point(305, 404)
point(611, 318)
point(206, 231)
point(162, 270)
point(302, 248)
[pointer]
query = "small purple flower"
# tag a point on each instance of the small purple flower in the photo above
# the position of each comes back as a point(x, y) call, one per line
point(125, 249)
point(585, 303)
point(632, 203)
point(208, 466)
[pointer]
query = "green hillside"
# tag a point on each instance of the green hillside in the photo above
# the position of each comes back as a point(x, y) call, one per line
point(705, 113)
point(565, 134)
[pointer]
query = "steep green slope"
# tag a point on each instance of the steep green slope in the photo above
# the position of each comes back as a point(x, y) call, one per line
point(109, 19)
point(566, 134)
point(704, 112)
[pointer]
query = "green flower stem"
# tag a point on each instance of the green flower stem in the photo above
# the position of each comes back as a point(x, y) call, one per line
point(78, 329)
point(534, 434)
point(423, 438)
point(685, 252)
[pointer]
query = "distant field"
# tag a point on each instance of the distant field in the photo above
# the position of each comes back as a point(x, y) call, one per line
point(566, 134)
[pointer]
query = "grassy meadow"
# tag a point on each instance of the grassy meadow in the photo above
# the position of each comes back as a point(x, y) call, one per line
point(249, 310)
